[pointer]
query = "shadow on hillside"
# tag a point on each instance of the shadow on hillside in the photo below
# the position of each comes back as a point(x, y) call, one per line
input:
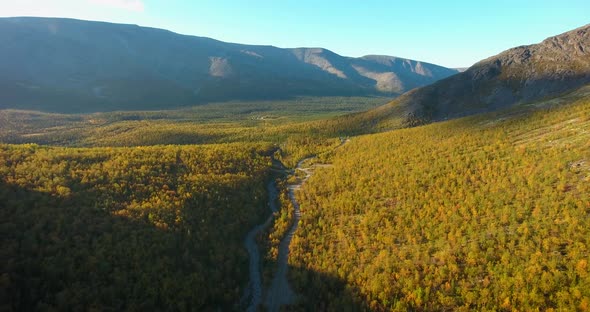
point(62, 253)
point(65, 254)
point(312, 291)
point(318, 291)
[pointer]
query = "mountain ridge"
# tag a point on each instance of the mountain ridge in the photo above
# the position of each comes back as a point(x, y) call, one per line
point(522, 74)
point(69, 65)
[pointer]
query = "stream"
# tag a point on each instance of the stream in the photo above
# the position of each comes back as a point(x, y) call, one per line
point(254, 289)
point(280, 292)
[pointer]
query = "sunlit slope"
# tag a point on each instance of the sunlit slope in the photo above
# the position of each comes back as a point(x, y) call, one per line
point(480, 213)
point(524, 74)
point(145, 228)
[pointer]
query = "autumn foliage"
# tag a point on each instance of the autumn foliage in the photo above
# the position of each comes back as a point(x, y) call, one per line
point(481, 213)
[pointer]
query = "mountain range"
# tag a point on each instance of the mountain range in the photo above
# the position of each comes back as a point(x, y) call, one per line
point(67, 65)
point(523, 74)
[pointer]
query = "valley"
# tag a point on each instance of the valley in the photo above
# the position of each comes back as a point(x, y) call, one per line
point(203, 175)
point(212, 123)
point(101, 67)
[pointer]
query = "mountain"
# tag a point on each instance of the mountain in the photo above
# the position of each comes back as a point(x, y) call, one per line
point(454, 213)
point(385, 74)
point(66, 65)
point(523, 74)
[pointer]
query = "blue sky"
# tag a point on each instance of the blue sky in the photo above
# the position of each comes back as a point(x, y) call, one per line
point(449, 33)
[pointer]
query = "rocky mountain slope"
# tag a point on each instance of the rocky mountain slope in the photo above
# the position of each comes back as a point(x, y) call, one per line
point(381, 73)
point(523, 74)
point(67, 65)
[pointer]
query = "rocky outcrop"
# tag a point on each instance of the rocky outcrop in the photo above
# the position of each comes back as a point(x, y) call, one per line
point(522, 74)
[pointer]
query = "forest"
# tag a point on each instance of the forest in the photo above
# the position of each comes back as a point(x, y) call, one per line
point(153, 160)
point(488, 212)
point(100, 215)
point(144, 228)
point(225, 122)
point(482, 213)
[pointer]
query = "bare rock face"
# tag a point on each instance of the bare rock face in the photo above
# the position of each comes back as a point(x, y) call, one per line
point(382, 73)
point(320, 58)
point(561, 58)
point(522, 74)
point(220, 67)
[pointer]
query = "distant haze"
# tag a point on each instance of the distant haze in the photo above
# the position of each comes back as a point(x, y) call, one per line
point(66, 65)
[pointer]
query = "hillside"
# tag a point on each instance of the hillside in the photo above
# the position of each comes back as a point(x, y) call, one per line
point(381, 73)
point(523, 74)
point(128, 228)
point(66, 65)
point(481, 213)
point(110, 199)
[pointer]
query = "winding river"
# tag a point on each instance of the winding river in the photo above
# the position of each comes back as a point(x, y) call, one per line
point(254, 289)
point(280, 292)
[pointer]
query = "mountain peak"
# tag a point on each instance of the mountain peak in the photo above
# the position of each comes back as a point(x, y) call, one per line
point(557, 65)
point(521, 74)
point(568, 48)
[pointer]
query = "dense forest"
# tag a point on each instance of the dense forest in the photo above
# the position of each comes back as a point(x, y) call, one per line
point(468, 194)
point(481, 213)
point(144, 228)
point(110, 223)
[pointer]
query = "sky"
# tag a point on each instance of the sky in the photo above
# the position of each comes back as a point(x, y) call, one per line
point(448, 33)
